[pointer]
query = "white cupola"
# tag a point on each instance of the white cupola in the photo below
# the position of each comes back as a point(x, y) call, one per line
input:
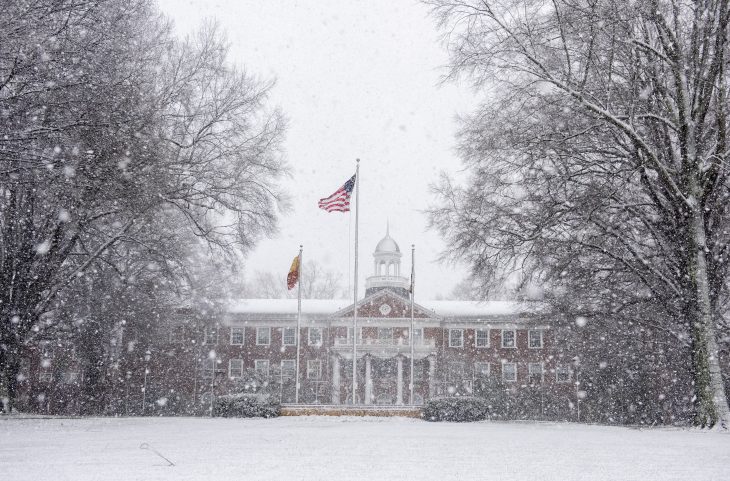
point(386, 268)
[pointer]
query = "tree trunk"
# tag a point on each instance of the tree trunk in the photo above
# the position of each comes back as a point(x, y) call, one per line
point(9, 371)
point(4, 396)
point(712, 405)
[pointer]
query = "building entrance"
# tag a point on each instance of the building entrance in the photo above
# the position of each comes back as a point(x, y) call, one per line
point(384, 381)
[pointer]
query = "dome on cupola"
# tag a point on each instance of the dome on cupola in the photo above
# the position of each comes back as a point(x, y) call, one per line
point(387, 245)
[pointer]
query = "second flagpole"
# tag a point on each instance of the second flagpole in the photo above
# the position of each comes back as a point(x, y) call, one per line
point(354, 318)
point(299, 322)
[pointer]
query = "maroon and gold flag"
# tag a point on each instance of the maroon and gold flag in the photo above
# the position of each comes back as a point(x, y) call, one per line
point(293, 276)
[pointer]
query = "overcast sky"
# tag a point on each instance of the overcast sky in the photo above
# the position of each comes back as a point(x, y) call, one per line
point(356, 79)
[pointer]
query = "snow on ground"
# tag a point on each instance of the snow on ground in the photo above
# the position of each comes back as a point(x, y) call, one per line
point(314, 448)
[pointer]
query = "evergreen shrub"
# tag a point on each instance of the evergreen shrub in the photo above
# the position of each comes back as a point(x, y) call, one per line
point(247, 406)
point(456, 409)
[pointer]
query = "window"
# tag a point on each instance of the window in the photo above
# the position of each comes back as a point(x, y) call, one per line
point(263, 337)
point(456, 337)
point(563, 374)
point(261, 366)
point(235, 368)
point(508, 338)
point(534, 371)
point(359, 334)
point(237, 336)
point(208, 367)
point(418, 336)
point(481, 369)
point(385, 333)
point(211, 335)
point(509, 371)
point(288, 368)
point(314, 369)
point(482, 338)
point(315, 336)
point(289, 336)
point(534, 338)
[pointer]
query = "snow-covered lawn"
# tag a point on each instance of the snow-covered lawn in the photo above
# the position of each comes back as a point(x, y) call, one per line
point(315, 448)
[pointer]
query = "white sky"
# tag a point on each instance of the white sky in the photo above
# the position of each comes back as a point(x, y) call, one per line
point(355, 79)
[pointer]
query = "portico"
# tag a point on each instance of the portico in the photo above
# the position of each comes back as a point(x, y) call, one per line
point(386, 371)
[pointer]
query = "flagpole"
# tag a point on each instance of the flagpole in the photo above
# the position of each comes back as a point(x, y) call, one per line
point(299, 321)
point(354, 318)
point(412, 331)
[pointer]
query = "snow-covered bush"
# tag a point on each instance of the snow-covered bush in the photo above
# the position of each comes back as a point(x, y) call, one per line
point(457, 409)
point(247, 406)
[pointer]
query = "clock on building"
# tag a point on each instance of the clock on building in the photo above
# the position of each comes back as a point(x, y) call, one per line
point(385, 309)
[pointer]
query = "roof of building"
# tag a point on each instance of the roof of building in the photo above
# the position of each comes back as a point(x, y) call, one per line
point(331, 306)
point(478, 308)
point(287, 306)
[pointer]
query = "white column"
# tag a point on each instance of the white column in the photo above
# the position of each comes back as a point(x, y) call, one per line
point(399, 392)
point(368, 381)
point(431, 376)
point(335, 379)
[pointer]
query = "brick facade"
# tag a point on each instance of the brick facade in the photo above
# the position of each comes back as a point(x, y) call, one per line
point(457, 347)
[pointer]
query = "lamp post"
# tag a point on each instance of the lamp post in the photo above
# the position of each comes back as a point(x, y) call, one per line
point(147, 356)
point(214, 360)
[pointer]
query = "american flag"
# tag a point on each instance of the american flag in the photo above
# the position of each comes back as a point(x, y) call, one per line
point(340, 200)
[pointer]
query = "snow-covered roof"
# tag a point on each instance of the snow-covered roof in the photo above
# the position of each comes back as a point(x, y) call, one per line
point(330, 306)
point(478, 308)
point(287, 306)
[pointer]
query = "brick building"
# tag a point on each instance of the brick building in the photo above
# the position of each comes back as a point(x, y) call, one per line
point(252, 343)
point(455, 344)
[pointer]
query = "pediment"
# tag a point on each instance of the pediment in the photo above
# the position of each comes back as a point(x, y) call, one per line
point(385, 304)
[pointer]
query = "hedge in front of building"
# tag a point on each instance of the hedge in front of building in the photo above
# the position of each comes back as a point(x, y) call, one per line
point(456, 409)
point(247, 406)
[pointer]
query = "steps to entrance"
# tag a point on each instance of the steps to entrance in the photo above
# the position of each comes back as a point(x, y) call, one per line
point(349, 410)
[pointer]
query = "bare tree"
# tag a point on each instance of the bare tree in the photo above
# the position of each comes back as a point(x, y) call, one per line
point(266, 285)
point(110, 129)
point(602, 150)
point(320, 283)
point(465, 290)
point(317, 283)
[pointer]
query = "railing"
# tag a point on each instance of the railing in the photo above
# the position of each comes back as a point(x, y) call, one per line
point(343, 341)
point(397, 281)
point(387, 278)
